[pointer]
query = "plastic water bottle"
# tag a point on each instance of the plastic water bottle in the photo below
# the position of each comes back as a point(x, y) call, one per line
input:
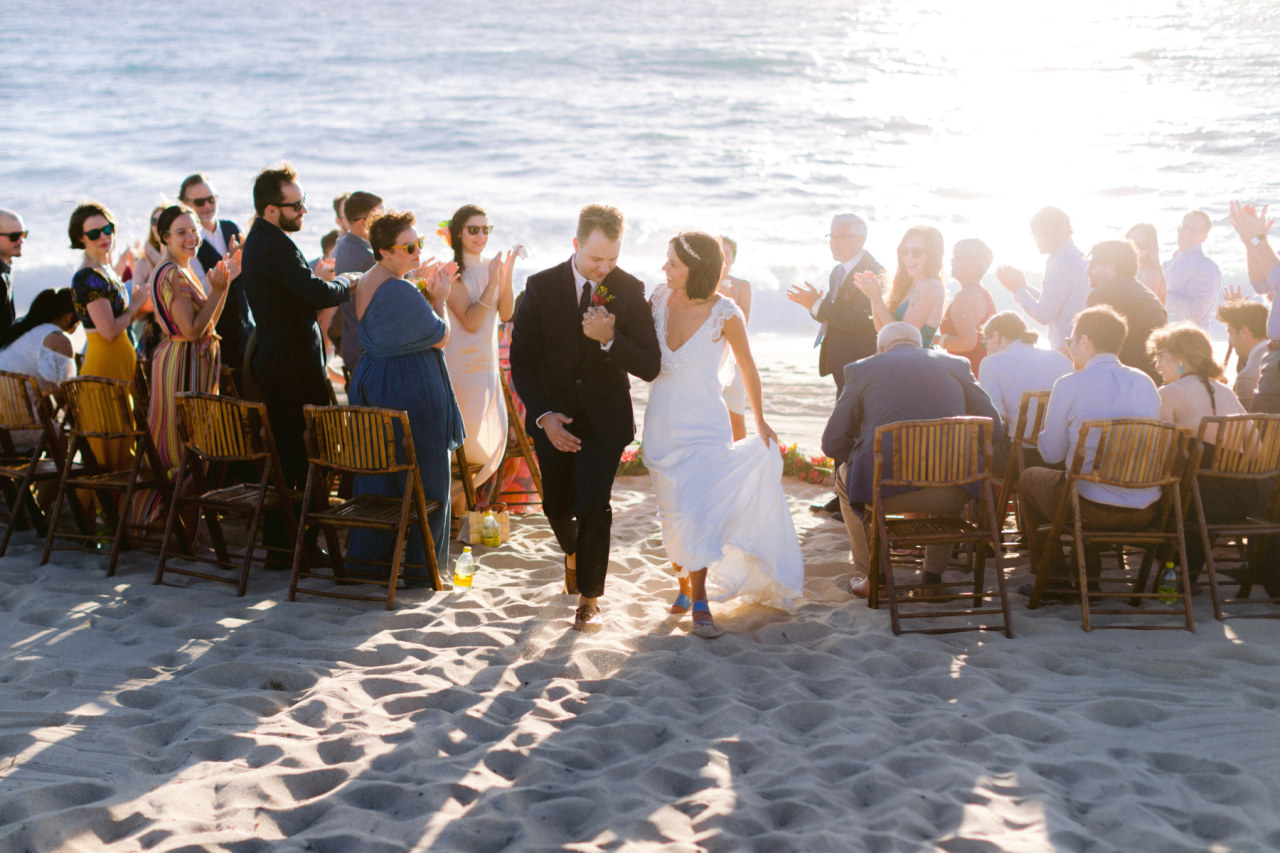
point(490, 534)
point(464, 569)
point(1168, 584)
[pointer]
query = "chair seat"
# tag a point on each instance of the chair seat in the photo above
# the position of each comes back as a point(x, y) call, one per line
point(113, 479)
point(473, 467)
point(239, 496)
point(16, 468)
point(902, 529)
point(368, 511)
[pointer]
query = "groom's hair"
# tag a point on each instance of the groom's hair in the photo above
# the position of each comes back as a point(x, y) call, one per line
point(701, 253)
point(599, 217)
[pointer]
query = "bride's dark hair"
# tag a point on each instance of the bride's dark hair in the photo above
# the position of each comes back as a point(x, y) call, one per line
point(701, 253)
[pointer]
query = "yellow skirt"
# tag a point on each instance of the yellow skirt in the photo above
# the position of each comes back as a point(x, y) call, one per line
point(110, 360)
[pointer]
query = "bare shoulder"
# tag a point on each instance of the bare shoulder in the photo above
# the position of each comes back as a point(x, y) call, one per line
point(59, 343)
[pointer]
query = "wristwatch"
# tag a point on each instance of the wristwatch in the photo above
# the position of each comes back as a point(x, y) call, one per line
point(1256, 240)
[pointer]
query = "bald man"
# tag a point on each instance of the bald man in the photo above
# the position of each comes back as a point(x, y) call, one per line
point(12, 234)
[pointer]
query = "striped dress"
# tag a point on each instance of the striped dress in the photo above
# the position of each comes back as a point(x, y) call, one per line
point(178, 364)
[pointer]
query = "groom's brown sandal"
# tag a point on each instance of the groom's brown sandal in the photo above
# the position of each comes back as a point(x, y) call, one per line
point(587, 619)
point(570, 578)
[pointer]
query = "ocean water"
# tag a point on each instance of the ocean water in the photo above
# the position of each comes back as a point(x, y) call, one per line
point(749, 118)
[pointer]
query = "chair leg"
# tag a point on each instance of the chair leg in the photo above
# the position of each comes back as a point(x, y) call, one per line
point(300, 539)
point(57, 501)
point(123, 514)
point(1081, 565)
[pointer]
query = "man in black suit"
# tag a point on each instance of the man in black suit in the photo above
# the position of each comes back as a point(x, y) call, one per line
point(848, 333)
point(218, 237)
point(581, 328)
point(288, 358)
point(1113, 279)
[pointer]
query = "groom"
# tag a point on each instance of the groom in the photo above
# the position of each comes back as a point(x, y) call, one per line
point(581, 328)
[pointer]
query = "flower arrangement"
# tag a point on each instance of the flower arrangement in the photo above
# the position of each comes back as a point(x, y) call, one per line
point(808, 469)
point(632, 462)
point(601, 296)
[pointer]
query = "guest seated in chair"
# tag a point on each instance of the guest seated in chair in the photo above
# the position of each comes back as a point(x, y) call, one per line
point(942, 387)
point(1101, 387)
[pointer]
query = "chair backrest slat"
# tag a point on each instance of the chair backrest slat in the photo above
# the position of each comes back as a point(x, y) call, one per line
point(1031, 416)
point(948, 451)
point(1247, 445)
point(18, 394)
point(1130, 453)
point(357, 439)
point(100, 408)
point(222, 428)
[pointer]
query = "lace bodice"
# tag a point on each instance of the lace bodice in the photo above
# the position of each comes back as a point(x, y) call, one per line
point(706, 346)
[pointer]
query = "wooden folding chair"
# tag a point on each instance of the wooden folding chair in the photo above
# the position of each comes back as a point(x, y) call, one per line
point(360, 440)
point(1021, 439)
point(1128, 453)
point(107, 409)
point(23, 411)
point(464, 472)
point(518, 443)
point(221, 438)
point(937, 453)
point(1245, 452)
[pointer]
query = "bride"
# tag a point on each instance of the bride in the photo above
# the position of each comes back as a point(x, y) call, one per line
point(725, 521)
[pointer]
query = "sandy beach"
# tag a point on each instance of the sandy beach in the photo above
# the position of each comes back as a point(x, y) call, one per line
point(178, 717)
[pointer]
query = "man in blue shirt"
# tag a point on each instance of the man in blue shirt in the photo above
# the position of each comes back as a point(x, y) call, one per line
point(1192, 280)
point(1101, 387)
point(1065, 288)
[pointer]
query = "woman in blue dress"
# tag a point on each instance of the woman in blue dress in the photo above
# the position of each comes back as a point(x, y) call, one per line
point(403, 331)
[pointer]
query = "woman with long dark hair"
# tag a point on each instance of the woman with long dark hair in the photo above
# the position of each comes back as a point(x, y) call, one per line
point(39, 344)
point(479, 298)
point(725, 520)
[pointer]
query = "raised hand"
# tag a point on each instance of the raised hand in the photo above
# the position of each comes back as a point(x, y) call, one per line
point(232, 260)
point(869, 284)
point(1232, 293)
point(220, 276)
point(1011, 277)
point(805, 295)
point(1248, 222)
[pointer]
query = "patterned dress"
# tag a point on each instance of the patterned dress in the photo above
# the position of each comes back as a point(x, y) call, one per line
point(178, 364)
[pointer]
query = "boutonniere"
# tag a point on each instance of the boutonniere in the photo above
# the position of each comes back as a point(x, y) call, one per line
point(601, 296)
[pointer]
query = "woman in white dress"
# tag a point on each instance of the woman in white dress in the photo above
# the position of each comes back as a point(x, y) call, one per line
point(39, 346)
point(481, 296)
point(725, 520)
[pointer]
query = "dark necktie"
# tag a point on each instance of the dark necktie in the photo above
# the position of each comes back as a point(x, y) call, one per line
point(585, 301)
point(833, 284)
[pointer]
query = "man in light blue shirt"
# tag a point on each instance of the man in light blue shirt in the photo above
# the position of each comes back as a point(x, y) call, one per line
point(1264, 275)
point(1101, 387)
point(1192, 280)
point(1065, 288)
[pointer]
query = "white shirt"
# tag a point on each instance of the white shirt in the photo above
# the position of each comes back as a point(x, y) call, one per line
point(1246, 384)
point(1103, 388)
point(1015, 370)
point(1192, 282)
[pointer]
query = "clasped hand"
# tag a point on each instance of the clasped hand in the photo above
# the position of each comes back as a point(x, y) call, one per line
point(597, 324)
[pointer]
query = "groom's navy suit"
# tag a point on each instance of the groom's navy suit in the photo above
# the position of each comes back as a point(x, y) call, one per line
point(556, 368)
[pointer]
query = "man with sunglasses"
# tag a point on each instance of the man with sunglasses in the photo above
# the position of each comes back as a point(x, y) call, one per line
point(12, 233)
point(286, 359)
point(218, 238)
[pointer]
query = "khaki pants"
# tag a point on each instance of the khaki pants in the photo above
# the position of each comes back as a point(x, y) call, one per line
point(1040, 490)
point(938, 500)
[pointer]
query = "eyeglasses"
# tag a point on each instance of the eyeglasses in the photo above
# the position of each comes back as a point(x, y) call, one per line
point(411, 248)
point(296, 205)
point(95, 233)
point(15, 236)
point(201, 202)
point(911, 252)
point(477, 230)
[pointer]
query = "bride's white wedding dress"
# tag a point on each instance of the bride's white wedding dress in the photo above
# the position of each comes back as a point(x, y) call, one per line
point(720, 503)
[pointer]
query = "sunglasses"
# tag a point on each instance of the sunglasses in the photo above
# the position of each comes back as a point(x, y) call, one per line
point(477, 230)
point(296, 205)
point(15, 236)
point(911, 253)
point(95, 233)
point(201, 202)
point(411, 248)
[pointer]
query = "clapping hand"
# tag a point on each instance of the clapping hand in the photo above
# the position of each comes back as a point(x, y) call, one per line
point(1248, 222)
point(140, 297)
point(869, 284)
point(501, 267)
point(1232, 293)
point(220, 276)
point(804, 295)
point(1011, 277)
point(232, 260)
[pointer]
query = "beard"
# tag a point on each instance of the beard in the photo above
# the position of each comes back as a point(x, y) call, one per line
point(290, 222)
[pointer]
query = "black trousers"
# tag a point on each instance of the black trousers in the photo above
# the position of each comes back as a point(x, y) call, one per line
point(576, 488)
point(284, 409)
